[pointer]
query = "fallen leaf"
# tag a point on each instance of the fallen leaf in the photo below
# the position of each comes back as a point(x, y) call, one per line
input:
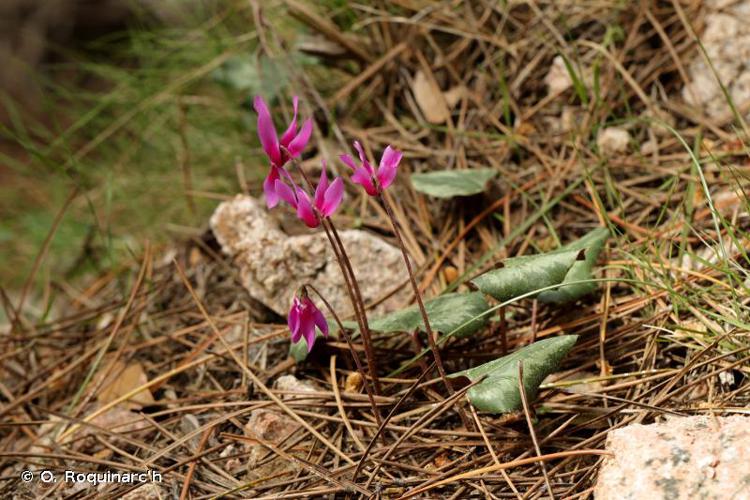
point(430, 99)
point(123, 379)
point(320, 46)
point(453, 95)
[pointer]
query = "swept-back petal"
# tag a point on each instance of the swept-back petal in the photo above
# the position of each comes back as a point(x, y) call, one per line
point(386, 174)
point(308, 331)
point(320, 321)
point(293, 320)
point(288, 134)
point(332, 199)
point(362, 157)
point(391, 157)
point(388, 166)
point(322, 187)
point(362, 177)
point(305, 210)
point(269, 187)
point(267, 132)
point(361, 151)
point(348, 161)
point(285, 193)
point(297, 145)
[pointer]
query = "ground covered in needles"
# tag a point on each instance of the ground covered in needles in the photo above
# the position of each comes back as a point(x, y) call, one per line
point(578, 107)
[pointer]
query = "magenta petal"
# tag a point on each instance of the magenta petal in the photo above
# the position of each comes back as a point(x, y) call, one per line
point(305, 210)
point(361, 151)
point(285, 193)
point(386, 174)
point(298, 144)
point(288, 134)
point(267, 132)
point(308, 331)
point(362, 157)
point(348, 161)
point(362, 177)
point(332, 198)
point(320, 321)
point(269, 188)
point(391, 157)
point(388, 165)
point(322, 187)
point(293, 321)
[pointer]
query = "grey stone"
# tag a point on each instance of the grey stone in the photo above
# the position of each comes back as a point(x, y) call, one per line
point(682, 458)
point(274, 265)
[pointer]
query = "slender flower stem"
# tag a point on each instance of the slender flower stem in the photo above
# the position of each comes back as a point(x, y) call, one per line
point(357, 361)
point(356, 298)
point(430, 336)
point(352, 287)
point(366, 337)
point(417, 294)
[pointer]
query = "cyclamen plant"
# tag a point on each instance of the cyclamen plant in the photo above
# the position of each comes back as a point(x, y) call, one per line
point(316, 204)
point(316, 211)
point(313, 211)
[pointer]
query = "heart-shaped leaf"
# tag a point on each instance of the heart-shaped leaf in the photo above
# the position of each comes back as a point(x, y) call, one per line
point(522, 275)
point(446, 313)
point(592, 243)
point(450, 183)
point(498, 391)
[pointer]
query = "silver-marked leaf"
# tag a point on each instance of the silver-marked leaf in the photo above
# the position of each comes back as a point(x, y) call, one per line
point(446, 313)
point(450, 183)
point(498, 392)
point(521, 275)
point(592, 243)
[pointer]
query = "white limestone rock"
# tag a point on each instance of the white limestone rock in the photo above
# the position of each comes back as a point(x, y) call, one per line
point(274, 265)
point(683, 458)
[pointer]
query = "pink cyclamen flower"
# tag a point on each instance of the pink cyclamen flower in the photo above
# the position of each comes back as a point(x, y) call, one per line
point(303, 317)
point(279, 150)
point(373, 181)
point(325, 202)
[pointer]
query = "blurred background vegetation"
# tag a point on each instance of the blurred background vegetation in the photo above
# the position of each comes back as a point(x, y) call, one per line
point(148, 119)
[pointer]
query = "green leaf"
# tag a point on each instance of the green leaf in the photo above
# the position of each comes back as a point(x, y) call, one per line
point(446, 313)
point(592, 243)
point(298, 350)
point(450, 183)
point(521, 275)
point(498, 392)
